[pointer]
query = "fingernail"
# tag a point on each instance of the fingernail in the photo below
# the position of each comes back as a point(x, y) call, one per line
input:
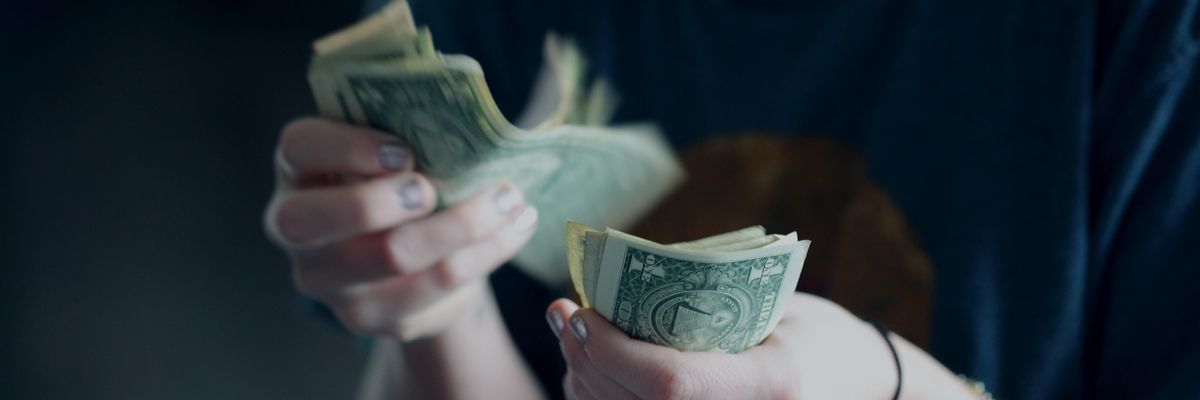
point(506, 200)
point(527, 219)
point(393, 157)
point(579, 328)
point(556, 323)
point(411, 194)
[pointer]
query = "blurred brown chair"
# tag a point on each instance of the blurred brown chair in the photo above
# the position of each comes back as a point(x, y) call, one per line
point(864, 256)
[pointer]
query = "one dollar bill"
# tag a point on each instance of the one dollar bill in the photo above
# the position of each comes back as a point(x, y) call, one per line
point(723, 293)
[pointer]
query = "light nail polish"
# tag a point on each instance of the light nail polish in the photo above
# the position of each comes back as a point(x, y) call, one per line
point(527, 219)
point(393, 157)
point(506, 200)
point(411, 194)
point(579, 328)
point(556, 323)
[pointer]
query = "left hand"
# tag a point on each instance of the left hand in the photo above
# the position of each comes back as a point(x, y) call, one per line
point(818, 351)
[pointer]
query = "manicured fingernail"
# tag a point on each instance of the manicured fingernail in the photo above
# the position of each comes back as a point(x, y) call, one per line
point(556, 323)
point(411, 194)
point(579, 328)
point(506, 200)
point(393, 157)
point(527, 219)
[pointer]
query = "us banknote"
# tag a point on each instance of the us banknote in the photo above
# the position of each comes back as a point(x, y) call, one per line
point(723, 293)
point(385, 72)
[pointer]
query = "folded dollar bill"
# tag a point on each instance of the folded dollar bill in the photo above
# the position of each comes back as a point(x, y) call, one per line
point(386, 73)
point(723, 293)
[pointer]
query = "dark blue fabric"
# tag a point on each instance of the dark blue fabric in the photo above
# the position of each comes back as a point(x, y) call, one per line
point(1047, 153)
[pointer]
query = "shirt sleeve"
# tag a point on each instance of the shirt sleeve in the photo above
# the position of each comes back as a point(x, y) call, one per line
point(1145, 196)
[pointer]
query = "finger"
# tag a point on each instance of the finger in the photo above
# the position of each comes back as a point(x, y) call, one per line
point(420, 244)
point(647, 370)
point(659, 372)
point(333, 269)
point(336, 268)
point(595, 381)
point(286, 178)
point(408, 292)
point(313, 146)
point(441, 314)
point(556, 315)
point(574, 389)
point(307, 218)
point(372, 316)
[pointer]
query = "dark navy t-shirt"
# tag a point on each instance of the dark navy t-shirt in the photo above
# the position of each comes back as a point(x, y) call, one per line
point(1047, 154)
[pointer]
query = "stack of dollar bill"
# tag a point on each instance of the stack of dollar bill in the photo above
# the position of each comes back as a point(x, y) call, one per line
point(723, 293)
point(386, 73)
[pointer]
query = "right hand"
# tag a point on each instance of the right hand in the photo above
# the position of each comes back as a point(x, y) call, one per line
point(357, 222)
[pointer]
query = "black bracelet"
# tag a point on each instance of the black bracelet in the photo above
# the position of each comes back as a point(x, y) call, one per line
point(887, 337)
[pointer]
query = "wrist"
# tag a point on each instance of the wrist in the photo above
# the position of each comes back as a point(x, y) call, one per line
point(892, 357)
point(434, 356)
point(472, 315)
point(910, 372)
point(472, 357)
point(926, 378)
point(461, 312)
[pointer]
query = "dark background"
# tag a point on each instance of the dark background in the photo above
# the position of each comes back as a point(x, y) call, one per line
point(137, 143)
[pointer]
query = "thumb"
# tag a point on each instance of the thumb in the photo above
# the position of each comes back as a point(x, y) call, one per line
point(653, 371)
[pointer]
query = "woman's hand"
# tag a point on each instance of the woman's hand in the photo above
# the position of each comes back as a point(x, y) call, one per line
point(818, 351)
point(356, 220)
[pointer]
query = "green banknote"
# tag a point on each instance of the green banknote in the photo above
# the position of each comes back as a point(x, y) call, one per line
point(724, 293)
point(386, 73)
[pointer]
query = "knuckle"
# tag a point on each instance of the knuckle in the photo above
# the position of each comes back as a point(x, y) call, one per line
point(787, 390)
point(270, 220)
point(462, 218)
point(299, 127)
point(449, 273)
point(288, 220)
point(356, 315)
point(671, 381)
point(575, 362)
point(480, 216)
point(398, 250)
point(776, 386)
point(294, 133)
point(404, 331)
point(360, 212)
point(407, 331)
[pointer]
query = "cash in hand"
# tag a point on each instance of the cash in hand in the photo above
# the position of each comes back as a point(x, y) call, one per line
point(385, 72)
point(723, 293)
